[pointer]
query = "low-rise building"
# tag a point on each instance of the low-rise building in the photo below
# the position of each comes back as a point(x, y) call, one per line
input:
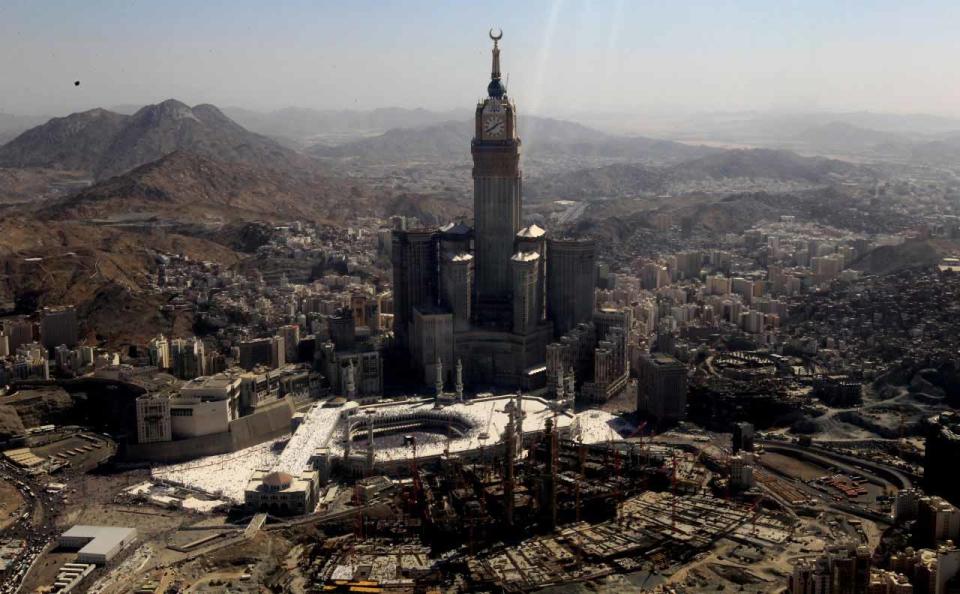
point(282, 493)
point(97, 544)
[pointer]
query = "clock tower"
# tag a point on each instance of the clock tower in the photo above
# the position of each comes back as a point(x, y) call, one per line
point(496, 196)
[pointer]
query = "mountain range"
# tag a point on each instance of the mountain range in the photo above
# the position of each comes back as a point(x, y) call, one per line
point(11, 125)
point(541, 138)
point(190, 187)
point(304, 125)
point(103, 143)
point(631, 179)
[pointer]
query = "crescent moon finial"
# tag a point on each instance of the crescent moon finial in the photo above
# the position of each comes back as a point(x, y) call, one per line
point(498, 36)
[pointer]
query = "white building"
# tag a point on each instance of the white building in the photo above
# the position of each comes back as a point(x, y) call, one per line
point(205, 405)
point(97, 544)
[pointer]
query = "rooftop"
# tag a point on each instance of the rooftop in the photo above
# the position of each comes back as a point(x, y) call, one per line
point(103, 539)
point(531, 232)
point(525, 257)
point(458, 228)
point(277, 479)
point(220, 381)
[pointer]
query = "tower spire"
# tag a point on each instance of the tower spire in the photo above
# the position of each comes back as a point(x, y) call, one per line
point(496, 88)
point(495, 72)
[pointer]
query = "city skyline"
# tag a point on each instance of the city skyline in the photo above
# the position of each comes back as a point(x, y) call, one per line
point(399, 350)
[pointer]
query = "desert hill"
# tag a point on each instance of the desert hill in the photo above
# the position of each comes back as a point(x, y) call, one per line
point(103, 143)
point(190, 187)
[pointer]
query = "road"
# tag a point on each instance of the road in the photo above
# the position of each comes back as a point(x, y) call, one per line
point(887, 473)
point(35, 526)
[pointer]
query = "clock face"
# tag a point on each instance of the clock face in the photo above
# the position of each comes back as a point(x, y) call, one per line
point(494, 125)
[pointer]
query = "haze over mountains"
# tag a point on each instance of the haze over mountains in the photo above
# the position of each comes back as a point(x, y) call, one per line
point(542, 137)
point(626, 179)
point(310, 126)
point(221, 166)
point(103, 143)
point(375, 134)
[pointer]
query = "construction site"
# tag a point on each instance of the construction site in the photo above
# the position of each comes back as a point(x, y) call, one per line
point(508, 492)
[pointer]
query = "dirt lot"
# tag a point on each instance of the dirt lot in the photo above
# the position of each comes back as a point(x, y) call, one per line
point(806, 471)
point(149, 521)
point(10, 501)
point(263, 554)
point(793, 467)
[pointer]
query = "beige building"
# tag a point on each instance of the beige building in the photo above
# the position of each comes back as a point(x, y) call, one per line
point(205, 405)
point(153, 419)
point(282, 493)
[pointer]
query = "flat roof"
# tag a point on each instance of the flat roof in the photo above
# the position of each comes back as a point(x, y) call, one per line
point(103, 539)
point(662, 359)
point(219, 381)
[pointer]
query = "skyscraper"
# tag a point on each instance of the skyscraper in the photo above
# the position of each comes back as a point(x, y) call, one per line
point(663, 388)
point(571, 277)
point(486, 291)
point(496, 189)
point(59, 325)
point(414, 276)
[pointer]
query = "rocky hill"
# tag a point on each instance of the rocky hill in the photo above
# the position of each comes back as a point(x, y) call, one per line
point(447, 141)
point(29, 184)
point(102, 269)
point(632, 179)
point(843, 136)
point(916, 253)
point(761, 164)
point(189, 187)
point(12, 125)
point(77, 142)
point(103, 143)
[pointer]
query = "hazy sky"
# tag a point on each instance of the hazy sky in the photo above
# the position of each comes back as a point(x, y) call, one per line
point(562, 57)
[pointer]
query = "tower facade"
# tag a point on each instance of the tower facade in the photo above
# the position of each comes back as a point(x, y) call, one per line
point(456, 288)
point(414, 260)
point(496, 195)
point(526, 315)
point(571, 278)
point(484, 295)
